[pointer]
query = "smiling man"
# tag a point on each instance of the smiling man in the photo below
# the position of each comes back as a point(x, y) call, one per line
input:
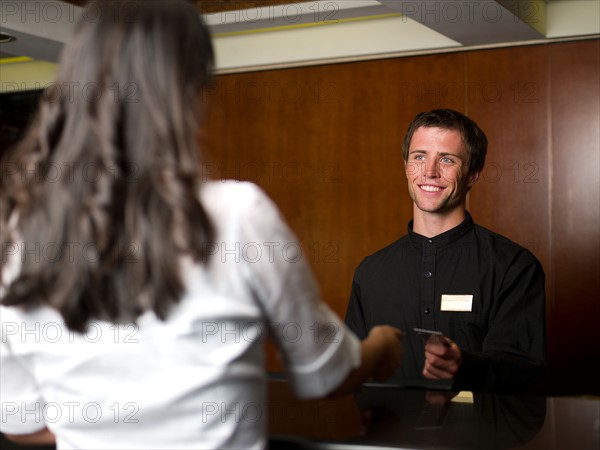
point(484, 292)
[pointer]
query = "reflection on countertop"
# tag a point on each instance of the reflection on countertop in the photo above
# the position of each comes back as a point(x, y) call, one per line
point(389, 416)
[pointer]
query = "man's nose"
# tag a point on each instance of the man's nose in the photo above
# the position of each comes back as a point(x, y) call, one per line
point(432, 169)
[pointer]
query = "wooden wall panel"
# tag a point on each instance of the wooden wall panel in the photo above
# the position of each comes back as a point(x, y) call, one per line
point(325, 143)
point(509, 100)
point(575, 198)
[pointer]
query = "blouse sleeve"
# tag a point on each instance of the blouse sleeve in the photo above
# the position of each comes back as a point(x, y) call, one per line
point(22, 404)
point(316, 347)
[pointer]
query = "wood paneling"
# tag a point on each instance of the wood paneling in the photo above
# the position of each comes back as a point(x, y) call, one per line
point(575, 199)
point(325, 143)
point(508, 98)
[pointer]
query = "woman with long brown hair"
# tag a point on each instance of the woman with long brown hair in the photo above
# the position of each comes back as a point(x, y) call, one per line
point(136, 299)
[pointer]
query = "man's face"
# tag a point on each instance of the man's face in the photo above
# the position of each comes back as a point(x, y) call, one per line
point(437, 170)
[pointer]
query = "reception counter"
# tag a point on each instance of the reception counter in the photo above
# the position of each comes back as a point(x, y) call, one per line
point(409, 416)
point(383, 416)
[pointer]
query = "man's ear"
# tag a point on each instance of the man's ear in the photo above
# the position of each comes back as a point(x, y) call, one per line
point(473, 177)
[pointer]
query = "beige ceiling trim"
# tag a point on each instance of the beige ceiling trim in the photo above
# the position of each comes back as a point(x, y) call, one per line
point(403, 54)
point(345, 40)
point(305, 25)
point(573, 18)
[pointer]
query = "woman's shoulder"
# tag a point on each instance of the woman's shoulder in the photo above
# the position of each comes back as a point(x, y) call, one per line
point(230, 192)
point(233, 201)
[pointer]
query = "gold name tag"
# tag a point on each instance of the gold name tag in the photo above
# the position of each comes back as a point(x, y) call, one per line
point(457, 302)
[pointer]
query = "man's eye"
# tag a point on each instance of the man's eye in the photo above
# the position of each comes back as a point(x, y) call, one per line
point(447, 160)
point(419, 157)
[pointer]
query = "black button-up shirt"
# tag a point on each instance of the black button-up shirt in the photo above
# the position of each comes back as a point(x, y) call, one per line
point(502, 333)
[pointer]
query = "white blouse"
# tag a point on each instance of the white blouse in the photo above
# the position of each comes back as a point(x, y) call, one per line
point(196, 380)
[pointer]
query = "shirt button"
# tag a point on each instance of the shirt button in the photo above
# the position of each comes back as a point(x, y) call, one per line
point(427, 311)
point(427, 274)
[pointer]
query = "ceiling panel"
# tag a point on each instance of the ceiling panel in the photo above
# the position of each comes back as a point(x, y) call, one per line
point(267, 34)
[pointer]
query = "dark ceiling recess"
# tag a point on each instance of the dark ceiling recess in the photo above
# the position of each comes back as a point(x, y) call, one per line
point(213, 6)
point(6, 38)
point(16, 111)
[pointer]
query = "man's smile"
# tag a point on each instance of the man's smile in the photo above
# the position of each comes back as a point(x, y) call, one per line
point(431, 188)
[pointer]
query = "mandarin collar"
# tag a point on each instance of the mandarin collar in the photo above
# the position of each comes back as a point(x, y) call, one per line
point(443, 239)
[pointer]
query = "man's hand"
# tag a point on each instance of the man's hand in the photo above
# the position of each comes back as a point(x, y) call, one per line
point(442, 359)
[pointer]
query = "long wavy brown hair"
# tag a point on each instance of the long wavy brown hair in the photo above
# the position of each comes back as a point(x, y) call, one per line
point(104, 186)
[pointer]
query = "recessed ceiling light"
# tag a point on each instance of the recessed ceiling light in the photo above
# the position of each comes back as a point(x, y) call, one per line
point(6, 38)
